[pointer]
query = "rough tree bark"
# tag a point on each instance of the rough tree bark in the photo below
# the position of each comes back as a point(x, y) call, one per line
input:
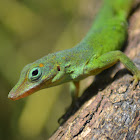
point(109, 109)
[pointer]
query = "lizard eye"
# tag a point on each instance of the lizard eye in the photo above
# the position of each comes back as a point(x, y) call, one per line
point(35, 74)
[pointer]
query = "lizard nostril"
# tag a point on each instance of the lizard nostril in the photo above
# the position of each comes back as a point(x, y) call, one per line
point(58, 68)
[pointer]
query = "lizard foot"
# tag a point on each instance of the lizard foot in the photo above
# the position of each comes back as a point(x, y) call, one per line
point(135, 79)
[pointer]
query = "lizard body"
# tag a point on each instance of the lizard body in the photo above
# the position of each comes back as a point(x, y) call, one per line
point(99, 50)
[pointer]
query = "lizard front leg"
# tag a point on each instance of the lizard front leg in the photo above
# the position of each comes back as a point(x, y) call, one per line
point(96, 65)
point(74, 90)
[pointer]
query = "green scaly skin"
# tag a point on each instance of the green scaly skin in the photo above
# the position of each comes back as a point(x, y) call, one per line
point(99, 50)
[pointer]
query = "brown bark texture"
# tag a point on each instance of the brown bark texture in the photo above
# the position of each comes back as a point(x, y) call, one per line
point(109, 109)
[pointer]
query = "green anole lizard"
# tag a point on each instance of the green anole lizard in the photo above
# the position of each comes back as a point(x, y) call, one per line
point(99, 50)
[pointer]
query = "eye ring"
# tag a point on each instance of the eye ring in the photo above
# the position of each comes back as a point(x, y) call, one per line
point(35, 74)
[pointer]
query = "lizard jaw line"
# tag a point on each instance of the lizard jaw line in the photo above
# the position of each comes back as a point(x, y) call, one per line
point(15, 96)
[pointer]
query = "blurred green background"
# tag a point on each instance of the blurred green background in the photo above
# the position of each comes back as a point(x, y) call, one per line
point(29, 30)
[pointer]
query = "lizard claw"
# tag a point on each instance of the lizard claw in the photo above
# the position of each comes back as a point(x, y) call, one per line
point(135, 80)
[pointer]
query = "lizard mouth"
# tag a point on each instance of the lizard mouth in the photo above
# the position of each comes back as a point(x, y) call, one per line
point(15, 95)
point(25, 89)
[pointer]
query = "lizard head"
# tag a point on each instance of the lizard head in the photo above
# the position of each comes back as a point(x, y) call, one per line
point(34, 76)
